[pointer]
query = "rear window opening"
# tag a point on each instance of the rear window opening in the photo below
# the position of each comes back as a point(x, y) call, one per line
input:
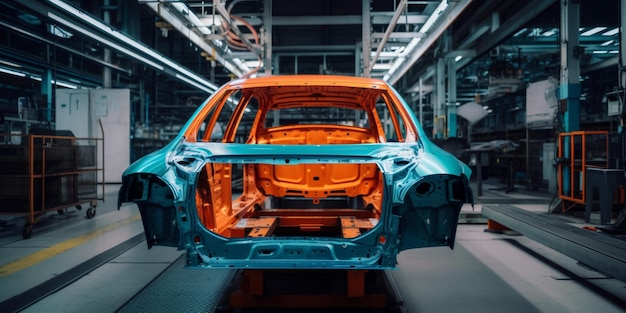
point(313, 200)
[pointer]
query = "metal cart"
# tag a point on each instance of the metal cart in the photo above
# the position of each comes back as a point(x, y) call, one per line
point(53, 171)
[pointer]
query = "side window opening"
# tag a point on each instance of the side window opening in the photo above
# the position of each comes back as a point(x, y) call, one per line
point(391, 121)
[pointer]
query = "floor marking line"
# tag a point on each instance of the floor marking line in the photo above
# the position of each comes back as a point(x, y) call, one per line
point(42, 255)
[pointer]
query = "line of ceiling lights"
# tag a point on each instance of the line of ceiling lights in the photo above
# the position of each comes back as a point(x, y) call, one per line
point(199, 30)
point(130, 46)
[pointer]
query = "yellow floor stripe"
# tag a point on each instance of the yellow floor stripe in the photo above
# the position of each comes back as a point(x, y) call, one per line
point(42, 255)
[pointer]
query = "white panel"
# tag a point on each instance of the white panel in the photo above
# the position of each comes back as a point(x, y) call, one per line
point(111, 107)
point(72, 111)
point(540, 102)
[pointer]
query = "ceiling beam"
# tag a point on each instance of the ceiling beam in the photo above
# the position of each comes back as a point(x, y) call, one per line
point(78, 21)
point(453, 11)
point(390, 28)
point(513, 24)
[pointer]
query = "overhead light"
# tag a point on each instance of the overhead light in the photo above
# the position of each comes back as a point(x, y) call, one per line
point(520, 32)
point(550, 32)
point(252, 64)
point(12, 72)
point(593, 31)
point(606, 43)
point(611, 32)
point(600, 52)
point(62, 84)
point(382, 66)
point(130, 41)
point(214, 20)
point(59, 32)
point(458, 58)
point(10, 63)
point(191, 17)
point(104, 41)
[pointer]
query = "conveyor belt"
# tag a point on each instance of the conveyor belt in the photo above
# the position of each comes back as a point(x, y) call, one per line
point(180, 289)
point(599, 251)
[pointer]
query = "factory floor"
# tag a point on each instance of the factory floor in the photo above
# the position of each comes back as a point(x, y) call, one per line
point(75, 264)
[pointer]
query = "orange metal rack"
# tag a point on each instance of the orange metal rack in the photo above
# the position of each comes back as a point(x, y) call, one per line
point(46, 173)
point(578, 151)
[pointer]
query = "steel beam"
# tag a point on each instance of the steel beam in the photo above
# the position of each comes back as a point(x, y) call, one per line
point(77, 21)
point(451, 14)
point(603, 253)
point(390, 28)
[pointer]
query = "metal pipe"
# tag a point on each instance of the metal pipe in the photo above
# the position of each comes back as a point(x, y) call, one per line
point(390, 28)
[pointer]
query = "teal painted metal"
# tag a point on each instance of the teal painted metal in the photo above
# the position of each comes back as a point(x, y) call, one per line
point(423, 190)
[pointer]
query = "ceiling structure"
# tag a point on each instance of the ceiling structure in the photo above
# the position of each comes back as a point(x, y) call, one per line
point(186, 49)
point(393, 40)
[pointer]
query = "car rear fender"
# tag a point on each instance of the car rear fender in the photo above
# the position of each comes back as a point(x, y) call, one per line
point(155, 201)
point(430, 211)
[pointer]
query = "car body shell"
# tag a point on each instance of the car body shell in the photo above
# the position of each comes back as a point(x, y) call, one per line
point(310, 193)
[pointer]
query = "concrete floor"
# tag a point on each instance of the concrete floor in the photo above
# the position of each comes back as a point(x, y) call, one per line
point(486, 272)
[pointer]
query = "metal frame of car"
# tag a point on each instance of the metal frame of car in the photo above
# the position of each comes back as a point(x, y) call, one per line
point(312, 195)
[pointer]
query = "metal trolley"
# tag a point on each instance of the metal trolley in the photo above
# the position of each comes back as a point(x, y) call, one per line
point(40, 173)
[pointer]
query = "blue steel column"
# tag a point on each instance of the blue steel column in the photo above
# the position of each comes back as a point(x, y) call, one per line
point(451, 97)
point(570, 65)
point(440, 97)
point(569, 91)
point(46, 89)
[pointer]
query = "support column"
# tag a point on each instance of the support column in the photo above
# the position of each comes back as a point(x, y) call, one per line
point(365, 34)
point(421, 100)
point(451, 97)
point(622, 77)
point(268, 26)
point(569, 93)
point(440, 99)
point(46, 89)
point(106, 71)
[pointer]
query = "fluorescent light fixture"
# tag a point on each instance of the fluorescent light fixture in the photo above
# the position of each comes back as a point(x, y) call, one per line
point(59, 32)
point(600, 52)
point(458, 58)
point(550, 32)
point(606, 43)
point(191, 17)
point(381, 66)
point(214, 20)
point(611, 32)
point(10, 63)
point(12, 72)
point(593, 31)
point(520, 32)
point(389, 54)
point(104, 41)
point(434, 16)
point(252, 64)
point(130, 41)
point(613, 51)
point(62, 84)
